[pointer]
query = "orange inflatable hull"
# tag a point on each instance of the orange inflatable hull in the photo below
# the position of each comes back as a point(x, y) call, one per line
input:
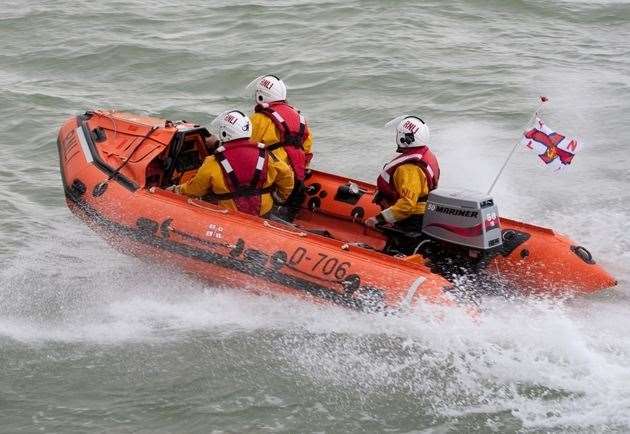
point(224, 247)
point(115, 166)
point(540, 261)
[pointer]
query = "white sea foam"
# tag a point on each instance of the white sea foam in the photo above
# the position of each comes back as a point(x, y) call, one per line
point(550, 363)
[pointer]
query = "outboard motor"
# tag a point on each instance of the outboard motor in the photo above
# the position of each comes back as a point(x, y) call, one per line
point(463, 230)
point(465, 218)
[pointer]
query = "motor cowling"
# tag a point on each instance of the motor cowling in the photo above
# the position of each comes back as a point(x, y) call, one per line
point(465, 218)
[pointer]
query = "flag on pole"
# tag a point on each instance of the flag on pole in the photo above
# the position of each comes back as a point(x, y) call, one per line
point(554, 150)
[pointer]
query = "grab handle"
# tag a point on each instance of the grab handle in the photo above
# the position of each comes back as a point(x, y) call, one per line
point(194, 202)
point(269, 225)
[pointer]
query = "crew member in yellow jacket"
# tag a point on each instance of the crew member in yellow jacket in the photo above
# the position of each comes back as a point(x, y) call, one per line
point(279, 125)
point(410, 184)
point(240, 175)
point(283, 129)
point(264, 131)
point(405, 182)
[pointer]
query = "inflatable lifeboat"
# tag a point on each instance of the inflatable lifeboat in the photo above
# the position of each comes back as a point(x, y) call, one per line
point(115, 168)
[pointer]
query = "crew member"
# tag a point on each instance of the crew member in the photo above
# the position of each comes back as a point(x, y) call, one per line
point(284, 131)
point(405, 182)
point(240, 175)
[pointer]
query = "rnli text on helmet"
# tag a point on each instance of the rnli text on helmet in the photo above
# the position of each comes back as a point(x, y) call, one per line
point(266, 83)
point(411, 126)
point(231, 118)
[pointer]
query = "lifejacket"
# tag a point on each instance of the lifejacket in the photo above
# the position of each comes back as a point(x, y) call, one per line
point(244, 165)
point(291, 127)
point(420, 156)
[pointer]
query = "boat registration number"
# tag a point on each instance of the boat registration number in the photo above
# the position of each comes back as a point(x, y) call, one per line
point(320, 263)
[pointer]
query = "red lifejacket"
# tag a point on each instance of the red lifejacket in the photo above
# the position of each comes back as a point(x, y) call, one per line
point(291, 126)
point(420, 156)
point(244, 165)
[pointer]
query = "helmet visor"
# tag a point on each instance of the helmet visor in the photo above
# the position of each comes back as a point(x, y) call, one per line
point(394, 122)
point(251, 87)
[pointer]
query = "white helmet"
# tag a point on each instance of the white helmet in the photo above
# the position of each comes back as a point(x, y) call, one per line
point(411, 131)
point(269, 88)
point(231, 125)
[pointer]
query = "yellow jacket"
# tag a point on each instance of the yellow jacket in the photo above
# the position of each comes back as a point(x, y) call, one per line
point(410, 183)
point(264, 131)
point(210, 178)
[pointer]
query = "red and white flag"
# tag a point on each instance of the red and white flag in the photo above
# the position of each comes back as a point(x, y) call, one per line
point(554, 150)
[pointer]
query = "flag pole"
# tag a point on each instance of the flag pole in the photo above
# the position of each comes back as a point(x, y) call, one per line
point(543, 99)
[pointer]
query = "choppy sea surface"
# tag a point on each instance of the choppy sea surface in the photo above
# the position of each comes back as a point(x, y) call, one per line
point(93, 341)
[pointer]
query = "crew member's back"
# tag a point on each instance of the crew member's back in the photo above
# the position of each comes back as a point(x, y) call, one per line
point(240, 175)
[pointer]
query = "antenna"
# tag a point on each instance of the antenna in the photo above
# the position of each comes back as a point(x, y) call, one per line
point(543, 99)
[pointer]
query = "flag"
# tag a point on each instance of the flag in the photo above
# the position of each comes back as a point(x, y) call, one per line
point(554, 150)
